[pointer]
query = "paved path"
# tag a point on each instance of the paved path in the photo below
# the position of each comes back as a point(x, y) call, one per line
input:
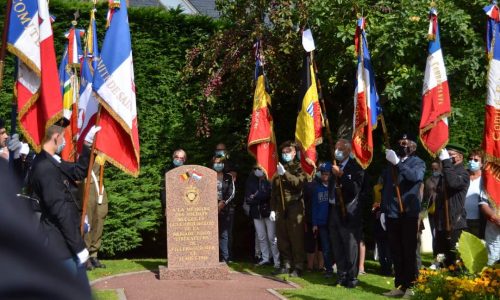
point(147, 286)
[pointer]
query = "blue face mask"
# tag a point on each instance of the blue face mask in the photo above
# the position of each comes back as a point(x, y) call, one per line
point(258, 173)
point(474, 165)
point(318, 175)
point(61, 146)
point(178, 162)
point(218, 167)
point(339, 155)
point(436, 173)
point(220, 153)
point(287, 157)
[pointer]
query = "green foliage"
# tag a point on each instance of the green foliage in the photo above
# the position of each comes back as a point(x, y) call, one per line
point(473, 252)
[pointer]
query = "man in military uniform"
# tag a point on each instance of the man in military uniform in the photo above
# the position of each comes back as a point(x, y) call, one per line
point(97, 210)
point(287, 209)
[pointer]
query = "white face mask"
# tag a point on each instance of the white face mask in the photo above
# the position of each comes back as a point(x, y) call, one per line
point(61, 146)
point(258, 173)
point(339, 155)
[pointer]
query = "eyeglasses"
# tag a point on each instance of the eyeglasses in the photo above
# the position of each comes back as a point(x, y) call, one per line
point(180, 157)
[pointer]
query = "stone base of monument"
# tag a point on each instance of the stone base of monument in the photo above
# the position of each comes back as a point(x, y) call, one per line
point(220, 272)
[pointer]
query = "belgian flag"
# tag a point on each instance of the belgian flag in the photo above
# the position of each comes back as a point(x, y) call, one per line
point(261, 140)
point(309, 120)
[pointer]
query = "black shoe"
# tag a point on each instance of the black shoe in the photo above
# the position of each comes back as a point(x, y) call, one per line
point(350, 284)
point(296, 273)
point(328, 275)
point(340, 281)
point(89, 266)
point(279, 271)
point(96, 263)
point(262, 263)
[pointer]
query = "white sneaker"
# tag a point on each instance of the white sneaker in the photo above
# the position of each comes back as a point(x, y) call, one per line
point(408, 294)
point(394, 293)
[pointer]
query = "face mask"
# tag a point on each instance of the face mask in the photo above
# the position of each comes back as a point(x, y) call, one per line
point(287, 157)
point(178, 162)
point(318, 174)
point(218, 167)
point(436, 173)
point(258, 173)
point(474, 166)
point(402, 151)
point(220, 153)
point(339, 155)
point(61, 146)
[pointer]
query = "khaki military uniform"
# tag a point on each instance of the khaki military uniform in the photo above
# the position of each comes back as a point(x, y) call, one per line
point(97, 210)
point(290, 220)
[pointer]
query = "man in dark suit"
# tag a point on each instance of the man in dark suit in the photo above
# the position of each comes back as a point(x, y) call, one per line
point(345, 214)
point(400, 211)
point(53, 182)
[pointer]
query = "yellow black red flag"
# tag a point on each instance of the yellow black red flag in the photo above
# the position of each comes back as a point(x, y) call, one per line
point(309, 120)
point(261, 141)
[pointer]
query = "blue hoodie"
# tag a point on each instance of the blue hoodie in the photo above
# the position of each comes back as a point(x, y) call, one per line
point(320, 205)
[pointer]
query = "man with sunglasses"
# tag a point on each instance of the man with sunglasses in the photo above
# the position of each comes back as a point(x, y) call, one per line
point(450, 216)
point(400, 208)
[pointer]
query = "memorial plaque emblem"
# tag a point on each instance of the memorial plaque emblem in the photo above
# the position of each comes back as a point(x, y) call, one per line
point(191, 195)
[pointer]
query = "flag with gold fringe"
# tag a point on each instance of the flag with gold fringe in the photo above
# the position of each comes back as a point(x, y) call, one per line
point(261, 141)
point(491, 139)
point(367, 108)
point(436, 105)
point(37, 90)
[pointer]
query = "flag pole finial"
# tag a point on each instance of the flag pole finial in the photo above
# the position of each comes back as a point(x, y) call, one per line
point(433, 4)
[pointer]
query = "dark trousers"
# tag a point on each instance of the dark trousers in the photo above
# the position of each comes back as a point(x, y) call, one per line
point(290, 235)
point(324, 238)
point(345, 240)
point(445, 244)
point(224, 227)
point(402, 234)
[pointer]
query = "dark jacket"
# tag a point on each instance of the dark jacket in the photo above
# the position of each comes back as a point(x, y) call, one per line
point(410, 175)
point(226, 191)
point(351, 184)
point(308, 192)
point(457, 181)
point(54, 184)
point(257, 196)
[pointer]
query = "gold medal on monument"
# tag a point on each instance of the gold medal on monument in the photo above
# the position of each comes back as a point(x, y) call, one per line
point(191, 195)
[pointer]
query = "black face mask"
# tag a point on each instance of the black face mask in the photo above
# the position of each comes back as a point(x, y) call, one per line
point(402, 151)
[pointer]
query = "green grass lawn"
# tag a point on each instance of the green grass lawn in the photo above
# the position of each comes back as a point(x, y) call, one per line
point(314, 286)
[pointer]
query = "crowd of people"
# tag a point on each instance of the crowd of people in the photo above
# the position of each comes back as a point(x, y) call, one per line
point(297, 217)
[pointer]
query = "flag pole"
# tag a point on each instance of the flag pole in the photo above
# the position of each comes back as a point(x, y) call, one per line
point(3, 48)
point(86, 191)
point(393, 169)
point(338, 188)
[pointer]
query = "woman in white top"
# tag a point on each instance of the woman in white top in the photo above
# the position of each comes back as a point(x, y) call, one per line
point(474, 194)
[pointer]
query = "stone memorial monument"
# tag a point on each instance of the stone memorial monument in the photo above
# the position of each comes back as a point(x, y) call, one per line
point(192, 225)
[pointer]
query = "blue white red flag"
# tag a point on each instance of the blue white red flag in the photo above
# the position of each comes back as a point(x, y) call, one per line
point(37, 87)
point(491, 139)
point(436, 106)
point(367, 108)
point(114, 85)
point(88, 105)
point(75, 54)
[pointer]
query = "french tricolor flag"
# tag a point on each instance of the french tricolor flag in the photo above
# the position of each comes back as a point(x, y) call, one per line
point(366, 100)
point(436, 105)
point(114, 85)
point(491, 139)
point(39, 97)
point(88, 105)
point(75, 55)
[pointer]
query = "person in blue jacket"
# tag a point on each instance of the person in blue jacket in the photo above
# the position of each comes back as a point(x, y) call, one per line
point(320, 208)
point(402, 225)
